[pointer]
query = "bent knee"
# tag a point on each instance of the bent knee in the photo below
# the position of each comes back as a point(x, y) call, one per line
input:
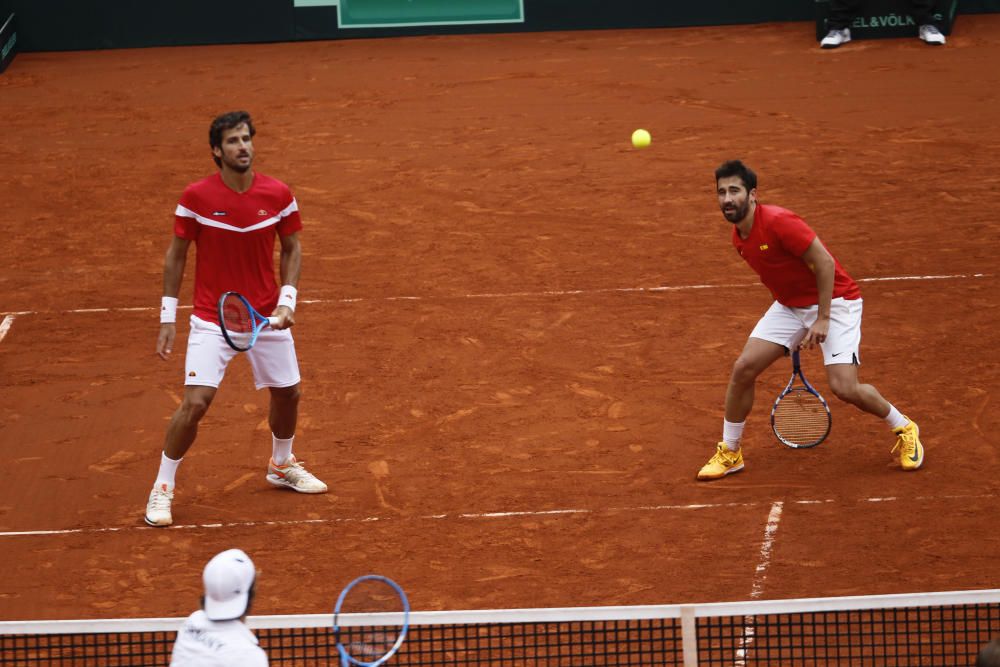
point(193, 408)
point(745, 370)
point(845, 391)
point(287, 394)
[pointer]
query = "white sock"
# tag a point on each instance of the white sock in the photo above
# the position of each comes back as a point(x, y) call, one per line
point(168, 471)
point(731, 434)
point(895, 419)
point(281, 449)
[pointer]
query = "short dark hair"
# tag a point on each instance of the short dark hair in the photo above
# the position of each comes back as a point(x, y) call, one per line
point(227, 121)
point(989, 655)
point(737, 168)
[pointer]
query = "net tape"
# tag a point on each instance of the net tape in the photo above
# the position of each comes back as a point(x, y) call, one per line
point(919, 629)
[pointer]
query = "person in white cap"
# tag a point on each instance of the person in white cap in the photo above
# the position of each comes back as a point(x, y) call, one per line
point(216, 635)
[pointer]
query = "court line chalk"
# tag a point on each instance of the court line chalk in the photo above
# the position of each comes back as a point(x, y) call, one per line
point(500, 515)
point(516, 295)
point(760, 574)
point(5, 326)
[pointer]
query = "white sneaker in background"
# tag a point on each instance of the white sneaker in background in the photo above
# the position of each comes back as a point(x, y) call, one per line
point(835, 38)
point(931, 35)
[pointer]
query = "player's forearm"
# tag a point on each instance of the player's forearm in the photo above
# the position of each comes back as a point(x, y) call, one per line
point(173, 273)
point(824, 287)
point(291, 263)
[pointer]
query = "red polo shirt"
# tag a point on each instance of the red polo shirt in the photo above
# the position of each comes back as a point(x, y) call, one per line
point(774, 250)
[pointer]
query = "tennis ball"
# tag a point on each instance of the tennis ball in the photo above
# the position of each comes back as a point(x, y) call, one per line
point(641, 138)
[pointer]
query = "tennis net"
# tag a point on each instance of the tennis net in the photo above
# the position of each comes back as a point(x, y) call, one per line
point(918, 629)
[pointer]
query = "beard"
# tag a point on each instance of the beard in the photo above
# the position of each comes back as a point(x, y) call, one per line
point(736, 213)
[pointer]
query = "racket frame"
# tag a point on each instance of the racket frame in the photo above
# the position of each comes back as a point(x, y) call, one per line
point(789, 388)
point(259, 321)
point(346, 658)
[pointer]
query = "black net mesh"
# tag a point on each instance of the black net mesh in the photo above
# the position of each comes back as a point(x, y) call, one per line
point(929, 635)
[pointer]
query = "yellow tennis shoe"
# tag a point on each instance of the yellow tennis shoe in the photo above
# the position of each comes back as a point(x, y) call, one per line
point(911, 451)
point(723, 463)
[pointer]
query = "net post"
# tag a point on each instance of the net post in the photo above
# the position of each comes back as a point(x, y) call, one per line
point(689, 636)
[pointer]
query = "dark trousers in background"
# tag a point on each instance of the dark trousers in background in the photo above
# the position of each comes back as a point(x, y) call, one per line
point(843, 12)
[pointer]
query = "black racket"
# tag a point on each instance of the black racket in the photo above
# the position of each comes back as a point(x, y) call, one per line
point(800, 417)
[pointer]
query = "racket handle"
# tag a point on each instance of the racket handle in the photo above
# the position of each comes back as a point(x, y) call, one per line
point(272, 321)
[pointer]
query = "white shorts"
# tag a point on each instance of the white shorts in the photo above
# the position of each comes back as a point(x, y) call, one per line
point(788, 326)
point(272, 357)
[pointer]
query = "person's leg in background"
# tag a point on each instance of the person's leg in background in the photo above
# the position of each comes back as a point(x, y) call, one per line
point(929, 31)
point(842, 13)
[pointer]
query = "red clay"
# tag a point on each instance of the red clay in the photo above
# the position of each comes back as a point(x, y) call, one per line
point(491, 177)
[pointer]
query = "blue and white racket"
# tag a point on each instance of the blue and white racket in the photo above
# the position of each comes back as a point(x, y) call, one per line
point(800, 417)
point(370, 621)
point(239, 321)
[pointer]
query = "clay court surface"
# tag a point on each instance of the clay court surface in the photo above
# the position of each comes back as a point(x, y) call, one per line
point(517, 329)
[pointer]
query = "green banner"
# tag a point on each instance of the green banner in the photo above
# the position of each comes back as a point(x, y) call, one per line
point(400, 13)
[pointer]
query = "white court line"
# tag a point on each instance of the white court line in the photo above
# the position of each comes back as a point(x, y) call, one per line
point(5, 325)
point(489, 515)
point(514, 295)
point(759, 576)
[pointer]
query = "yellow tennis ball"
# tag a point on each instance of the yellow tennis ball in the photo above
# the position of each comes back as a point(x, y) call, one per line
point(641, 138)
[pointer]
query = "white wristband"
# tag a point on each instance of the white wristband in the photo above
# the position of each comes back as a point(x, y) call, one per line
point(168, 310)
point(286, 297)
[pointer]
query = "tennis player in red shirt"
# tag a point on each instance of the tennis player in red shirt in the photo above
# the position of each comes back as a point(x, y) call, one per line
point(815, 303)
point(233, 217)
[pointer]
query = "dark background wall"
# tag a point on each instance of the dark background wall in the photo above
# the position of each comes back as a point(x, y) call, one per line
point(56, 25)
point(53, 25)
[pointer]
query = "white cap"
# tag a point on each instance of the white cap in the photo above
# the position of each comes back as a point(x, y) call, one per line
point(228, 578)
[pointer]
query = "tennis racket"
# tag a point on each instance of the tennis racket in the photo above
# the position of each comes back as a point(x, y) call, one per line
point(370, 621)
point(240, 322)
point(800, 417)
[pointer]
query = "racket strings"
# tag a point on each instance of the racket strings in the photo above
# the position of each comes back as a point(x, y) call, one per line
point(236, 316)
point(237, 321)
point(368, 643)
point(801, 417)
